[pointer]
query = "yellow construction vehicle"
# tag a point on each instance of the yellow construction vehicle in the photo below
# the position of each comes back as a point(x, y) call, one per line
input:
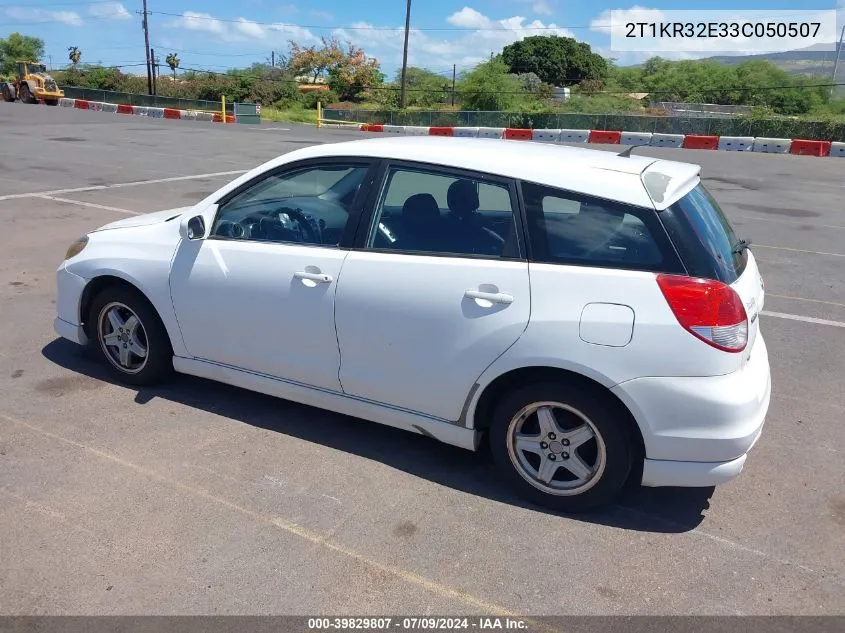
point(32, 84)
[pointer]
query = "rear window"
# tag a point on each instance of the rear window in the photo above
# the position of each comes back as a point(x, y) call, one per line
point(704, 237)
point(569, 228)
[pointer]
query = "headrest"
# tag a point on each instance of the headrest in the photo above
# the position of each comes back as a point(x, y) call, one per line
point(462, 197)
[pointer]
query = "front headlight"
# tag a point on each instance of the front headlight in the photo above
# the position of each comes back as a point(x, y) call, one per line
point(76, 248)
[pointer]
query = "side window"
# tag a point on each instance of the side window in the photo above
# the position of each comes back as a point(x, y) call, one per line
point(427, 211)
point(310, 205)
point(570, 228)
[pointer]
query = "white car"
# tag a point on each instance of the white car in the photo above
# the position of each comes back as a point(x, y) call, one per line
point(592, 314)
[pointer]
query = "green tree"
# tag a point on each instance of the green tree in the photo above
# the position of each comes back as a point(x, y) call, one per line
point(489, 86)
point(424, 88)
point(74, 55)
point(560, 61)
point(19, 47)
point(172, 60)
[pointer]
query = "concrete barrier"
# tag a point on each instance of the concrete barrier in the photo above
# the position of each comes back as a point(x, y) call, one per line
point(545, 136)
point(635, 138)
point(66, 103)
point(667, 140)
point(109, 107)
point(394, 129)
point(772, 145)
point(837, 149)
point(467, 132)
point(156, 113)
point(188, 115)
point(141, 110)
point(205, 116)
point(491, 132)
point(736, 143)
point(574, 136)
point(97, 106)
point(416, 130)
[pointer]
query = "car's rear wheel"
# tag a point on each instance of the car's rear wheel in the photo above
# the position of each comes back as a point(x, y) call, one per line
point(563, 446)
point(7, 93)
point(129, 336)
point(51, 102)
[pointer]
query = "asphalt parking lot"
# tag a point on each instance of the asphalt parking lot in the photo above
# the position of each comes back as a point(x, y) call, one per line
point(197, 498)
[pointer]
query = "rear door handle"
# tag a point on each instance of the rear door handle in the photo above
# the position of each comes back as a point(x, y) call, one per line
point(492, 297)
point(320, 278)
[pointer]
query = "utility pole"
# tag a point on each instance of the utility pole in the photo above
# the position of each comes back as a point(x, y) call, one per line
point(272, 59)
point(836, 63)
point(146, 28)
point(405, 55)
point(153, 68)
point(453, 83)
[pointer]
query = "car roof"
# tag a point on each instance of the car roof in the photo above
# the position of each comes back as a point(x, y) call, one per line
point(582, 170)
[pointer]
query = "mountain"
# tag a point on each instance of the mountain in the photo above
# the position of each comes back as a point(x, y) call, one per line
point(802, 61)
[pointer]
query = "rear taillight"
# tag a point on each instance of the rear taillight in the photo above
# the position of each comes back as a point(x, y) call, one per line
point(708, 309)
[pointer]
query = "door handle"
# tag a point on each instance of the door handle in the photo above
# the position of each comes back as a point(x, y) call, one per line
point(492, 297)
point(320, 278)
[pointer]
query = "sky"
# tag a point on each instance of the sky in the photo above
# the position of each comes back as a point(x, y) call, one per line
point(222, 34)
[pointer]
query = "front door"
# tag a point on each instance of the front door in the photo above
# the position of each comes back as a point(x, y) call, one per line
point(259, 292)
point(436, 291)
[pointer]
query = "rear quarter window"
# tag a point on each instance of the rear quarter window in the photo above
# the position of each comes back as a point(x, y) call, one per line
point(570, 228)
point(704, 237)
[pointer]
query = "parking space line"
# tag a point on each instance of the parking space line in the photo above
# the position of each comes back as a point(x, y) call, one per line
point(136, 183)
point(281, 524)
point(797, 250)
point(828, 303)
point(82, 203)
point(813, 224)
point(805, 319)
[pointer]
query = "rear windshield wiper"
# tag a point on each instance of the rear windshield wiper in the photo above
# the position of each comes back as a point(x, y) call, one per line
point(741, 246)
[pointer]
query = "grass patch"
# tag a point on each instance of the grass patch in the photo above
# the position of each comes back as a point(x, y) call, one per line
point(288, 115)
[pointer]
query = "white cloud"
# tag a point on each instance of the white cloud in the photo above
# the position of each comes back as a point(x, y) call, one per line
point(109, 11)
point(614, 23)
point(484, 35)
point(249, 28)
point(195, 21)
point(469, 18)
point(71, 18)
point(242, 29)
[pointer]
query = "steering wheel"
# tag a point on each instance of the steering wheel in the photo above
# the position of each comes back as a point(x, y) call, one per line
point(304, 225)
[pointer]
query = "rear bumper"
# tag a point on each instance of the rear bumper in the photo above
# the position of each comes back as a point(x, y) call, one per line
point(698, 430)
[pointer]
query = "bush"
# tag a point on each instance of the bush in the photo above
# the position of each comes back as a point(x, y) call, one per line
point(310, 98)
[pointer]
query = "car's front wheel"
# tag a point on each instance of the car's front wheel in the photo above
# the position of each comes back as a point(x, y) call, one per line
point(563, 446)
point(129, 336)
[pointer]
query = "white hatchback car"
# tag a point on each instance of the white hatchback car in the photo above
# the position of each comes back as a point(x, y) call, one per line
point(592, 314)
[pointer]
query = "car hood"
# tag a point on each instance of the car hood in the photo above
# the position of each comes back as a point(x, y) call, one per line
point(145, 219)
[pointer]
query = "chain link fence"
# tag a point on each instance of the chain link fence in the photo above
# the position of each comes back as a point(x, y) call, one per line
point(154, 101)
point(726, 126)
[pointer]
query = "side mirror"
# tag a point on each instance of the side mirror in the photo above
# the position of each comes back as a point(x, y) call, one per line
point(192, 228)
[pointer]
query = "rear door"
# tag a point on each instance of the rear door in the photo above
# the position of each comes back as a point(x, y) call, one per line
point(435, 290)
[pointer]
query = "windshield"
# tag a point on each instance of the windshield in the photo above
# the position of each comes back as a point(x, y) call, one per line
point(37, 68)
point(710, 245)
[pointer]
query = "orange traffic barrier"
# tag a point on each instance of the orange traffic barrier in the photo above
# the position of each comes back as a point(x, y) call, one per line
point(698, 141)
point(804, 147)
point(610, 137)
point(517, 134)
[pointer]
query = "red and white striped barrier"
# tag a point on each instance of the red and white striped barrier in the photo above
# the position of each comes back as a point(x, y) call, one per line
point(156, 113)
point(618, 137)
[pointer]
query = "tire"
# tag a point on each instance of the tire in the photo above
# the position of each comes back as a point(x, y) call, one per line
point(51, 102)
point(7, 93)
point(26, 95)
point(114, 306)
point(604, 450)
